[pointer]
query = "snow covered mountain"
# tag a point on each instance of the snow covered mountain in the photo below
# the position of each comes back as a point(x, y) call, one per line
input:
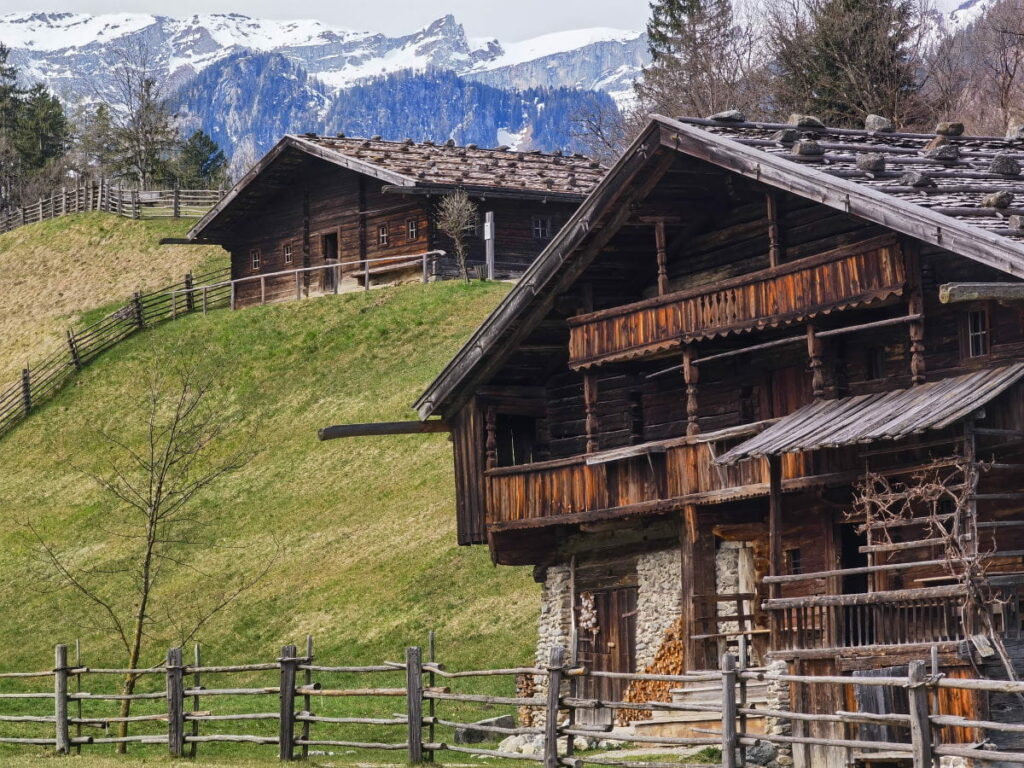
point(68, 50)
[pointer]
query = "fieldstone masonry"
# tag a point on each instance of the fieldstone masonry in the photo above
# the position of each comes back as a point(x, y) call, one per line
point(778, 699)
point(659, 591)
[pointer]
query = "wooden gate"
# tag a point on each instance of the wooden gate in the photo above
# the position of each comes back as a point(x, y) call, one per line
point(608, 644)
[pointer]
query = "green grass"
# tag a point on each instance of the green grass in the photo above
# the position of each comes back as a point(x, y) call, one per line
point(58, 272)
point(363, 530)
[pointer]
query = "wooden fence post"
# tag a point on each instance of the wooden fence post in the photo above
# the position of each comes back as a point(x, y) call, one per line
point(307, 702)
point(426, 273)
point(60, 699)
point(920, 725)
point(729, 739)
point(556, 666)
point(414, 702)
point(136, 211)
point(177, 202)
point(286, 735)
point(73, 349)
point(196, 682)
point(190, 299)
point(140, 320)
point(26, 390)
point(175, 704)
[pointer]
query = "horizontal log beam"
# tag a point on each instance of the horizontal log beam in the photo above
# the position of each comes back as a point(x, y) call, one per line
point(378, 429)
point(955, 293)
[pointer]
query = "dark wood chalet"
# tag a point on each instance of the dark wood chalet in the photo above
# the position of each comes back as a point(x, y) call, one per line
point(764, 389)
point(314, 201)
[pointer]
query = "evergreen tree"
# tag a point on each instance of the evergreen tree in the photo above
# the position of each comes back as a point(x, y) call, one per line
point(201, 163)
point(10, 101)
point(41, 130)
point(844, 59)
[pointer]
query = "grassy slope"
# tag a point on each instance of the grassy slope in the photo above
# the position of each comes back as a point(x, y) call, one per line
point(364, 527)
point(52, 272)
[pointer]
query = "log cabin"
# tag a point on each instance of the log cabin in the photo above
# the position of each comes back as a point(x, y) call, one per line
point(314, 201)
point(763, 392)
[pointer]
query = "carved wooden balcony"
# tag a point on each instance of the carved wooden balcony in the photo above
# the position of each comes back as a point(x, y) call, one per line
point(640, 479)
point(854, 275)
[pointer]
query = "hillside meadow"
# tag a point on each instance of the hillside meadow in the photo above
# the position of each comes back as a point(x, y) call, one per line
point(358, 534)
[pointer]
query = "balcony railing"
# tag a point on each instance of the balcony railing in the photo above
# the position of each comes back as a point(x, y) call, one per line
point(638, 479)
point(853, 275)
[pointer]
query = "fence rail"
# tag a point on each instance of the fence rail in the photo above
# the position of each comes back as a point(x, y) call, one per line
point(185, 711)
point(129, 203)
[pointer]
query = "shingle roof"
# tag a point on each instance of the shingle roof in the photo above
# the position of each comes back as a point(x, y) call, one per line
point(430, 164)
point(952, 175)
point(882, 416)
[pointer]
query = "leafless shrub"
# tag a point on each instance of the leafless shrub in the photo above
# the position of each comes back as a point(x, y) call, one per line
point(456, 216)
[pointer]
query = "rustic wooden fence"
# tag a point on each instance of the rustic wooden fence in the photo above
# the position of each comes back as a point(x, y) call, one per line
point(100, 196)
point(186, 710)
point(40, 381)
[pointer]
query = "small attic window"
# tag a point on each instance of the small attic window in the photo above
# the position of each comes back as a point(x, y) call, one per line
point(288, 257)
point(541, 227)
point(977, 333)
point(254, 258)
point(412, 230)
point(383, 235)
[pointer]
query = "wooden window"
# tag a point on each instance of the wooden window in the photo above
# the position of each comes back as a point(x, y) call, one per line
point(541, 227)
point(412, 230)
point(516, 437)
point(254, 258)
point(876, 363)
point(977, 339)
point(288, 253)
point(791, 561)
point(383, 235)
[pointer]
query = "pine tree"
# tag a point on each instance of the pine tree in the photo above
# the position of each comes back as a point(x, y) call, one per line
point(703, 59)
point(201, 164)
point(41, 131)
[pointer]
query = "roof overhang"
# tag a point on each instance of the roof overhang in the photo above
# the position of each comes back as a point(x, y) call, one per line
point(290, 142)
point(892, 415)
point(526, 304)
point(486, 192)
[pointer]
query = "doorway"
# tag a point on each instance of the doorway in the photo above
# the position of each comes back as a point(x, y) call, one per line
point(858, 627)
point(607, 643)
point(329, 249)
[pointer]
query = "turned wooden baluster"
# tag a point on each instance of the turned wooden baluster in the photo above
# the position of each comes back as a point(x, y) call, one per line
point(490, 422)
point(915, 306)
point(660, 244)
point(815, 352)
point(691, 376)
point(590, 409)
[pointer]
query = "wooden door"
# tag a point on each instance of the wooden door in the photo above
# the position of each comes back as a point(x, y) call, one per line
point(607, 644)
point(330, 252)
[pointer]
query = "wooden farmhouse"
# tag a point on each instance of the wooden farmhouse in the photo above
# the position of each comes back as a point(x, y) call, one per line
point(359, 204)
point(763, 393)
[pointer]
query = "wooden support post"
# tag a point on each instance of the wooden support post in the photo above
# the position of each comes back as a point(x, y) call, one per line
point(190, 298)
point(691, 377)
point(367, 286)
point(307, 703)
point(817, 364)
point(136, 209)
point(263, 289)
point(489, 243)
point(337, 278)
point(688, 537)
point(78, 689)
point(661, 246)
point(414, 702)
point(774, 233)
point(286, 734)
point(26, 390)
point(176, 205)
point(197, 656)
point(60, 699)
point(175, 703)
point(140, 319)
point(774, 537)
point(298, 285)
point(556, 667)
point(73, 350)
point(729, 738)
point(590, 410)
point(432, 703)
point(491, 442)
point(915, 308)
point(426, 268)
point(232, 300)
point(920, 725)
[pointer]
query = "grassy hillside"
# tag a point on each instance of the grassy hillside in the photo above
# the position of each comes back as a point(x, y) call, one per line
point(52, 272)
point(362, 529)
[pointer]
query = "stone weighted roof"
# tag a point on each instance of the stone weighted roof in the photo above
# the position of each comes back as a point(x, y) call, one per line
point(976, 179)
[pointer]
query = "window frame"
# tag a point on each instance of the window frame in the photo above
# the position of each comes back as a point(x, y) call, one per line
point(976, 342)
point(255, 259)
point(541, 227)
point(383, 235)
point(412, 230)
point(287, 254)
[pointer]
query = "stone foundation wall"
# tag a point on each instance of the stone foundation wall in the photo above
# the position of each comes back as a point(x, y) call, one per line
point(659, 591)
point(778, 699)
point(554, 628)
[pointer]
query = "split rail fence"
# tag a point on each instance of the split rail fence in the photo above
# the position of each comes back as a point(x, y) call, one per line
point(186, 706)
point(129, 203)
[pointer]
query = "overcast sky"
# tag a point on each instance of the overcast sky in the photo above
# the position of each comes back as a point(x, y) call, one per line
point(482, 18)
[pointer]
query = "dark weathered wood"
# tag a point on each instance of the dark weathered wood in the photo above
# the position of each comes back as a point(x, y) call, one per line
point(920, 725)
point(62, 743)
point(286, 731)
point(556, 666)
point(954, 293)
point(197, 658)
point(414, 703)
point(378, 429)
point(175, 703)
point(729, 713)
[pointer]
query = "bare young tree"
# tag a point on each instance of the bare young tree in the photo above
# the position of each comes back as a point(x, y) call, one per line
point(456, 216)
point(153, 487)
point(143, 125)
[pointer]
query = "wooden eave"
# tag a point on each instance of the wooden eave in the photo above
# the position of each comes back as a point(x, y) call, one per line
point(607, 209)
point(313, 150)
point(511, 193)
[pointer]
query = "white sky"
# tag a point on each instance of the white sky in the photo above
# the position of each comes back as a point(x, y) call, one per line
point(509, 20)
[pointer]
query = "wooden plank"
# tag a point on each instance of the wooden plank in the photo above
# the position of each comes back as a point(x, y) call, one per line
point(286, 732)
point(175, 703)
point(954, 293)
point(556, 664)
point(377, 429)
point(62, 743)
point(414, 703)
